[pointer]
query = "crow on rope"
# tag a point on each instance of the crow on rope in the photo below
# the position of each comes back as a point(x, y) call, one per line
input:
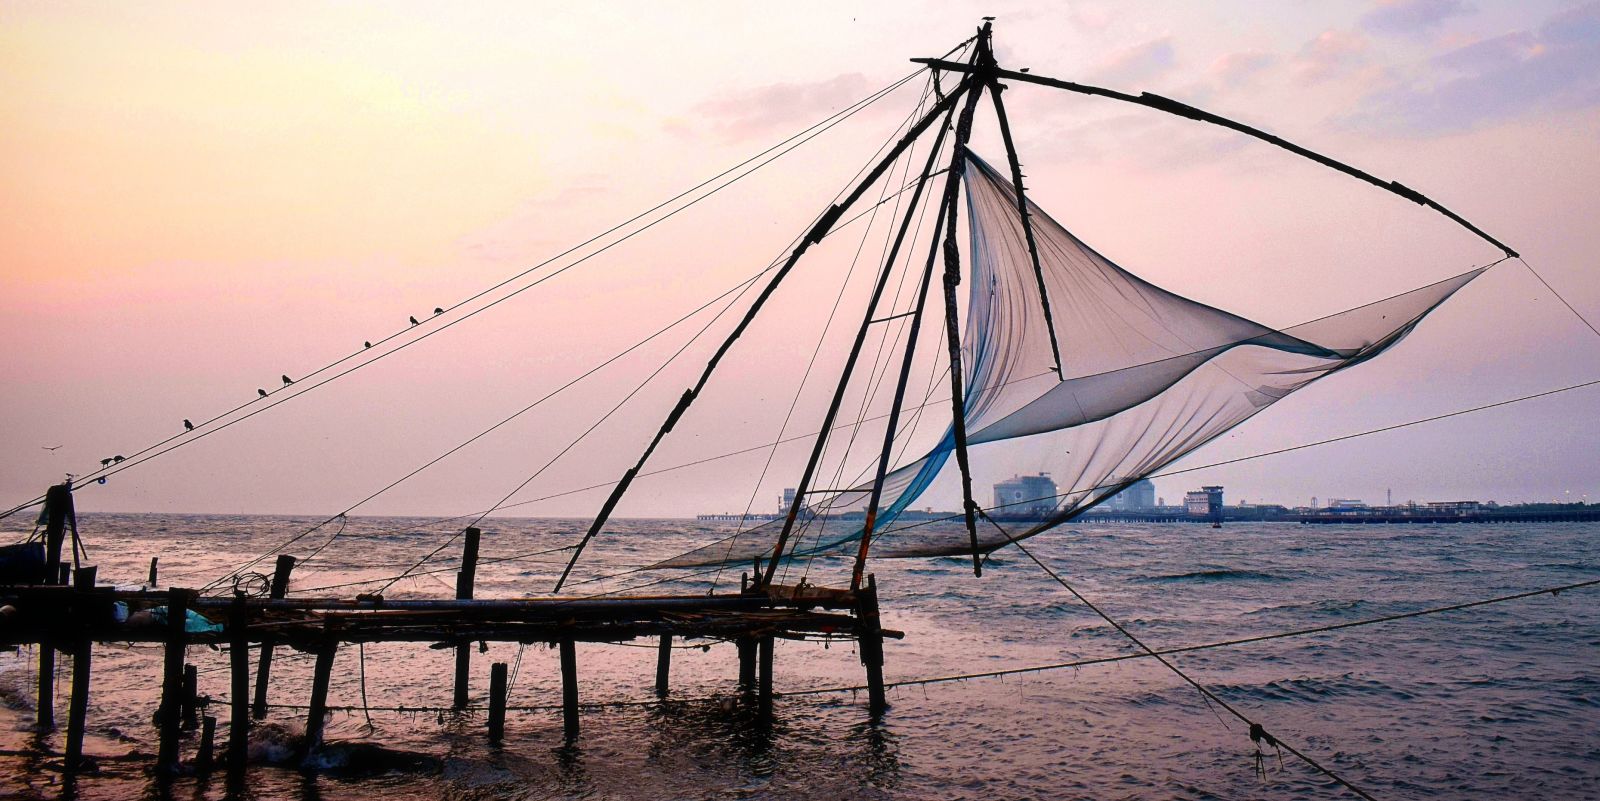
point(438, 310)
point(187, 426)
point(414, 320)
point(366, 344)
point(261, 392)
point(287, 380)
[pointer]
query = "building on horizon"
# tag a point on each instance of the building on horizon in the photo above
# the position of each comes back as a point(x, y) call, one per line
point(786, 501)
point(1139, 495)
point(1025, 495)
point(1204, 502)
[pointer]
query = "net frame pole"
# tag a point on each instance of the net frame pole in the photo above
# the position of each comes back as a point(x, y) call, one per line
point(952, 279)
point(809, 474)
point(818, 231)
point(995, 88)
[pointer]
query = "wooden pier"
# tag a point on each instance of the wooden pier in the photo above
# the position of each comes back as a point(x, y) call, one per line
point(73, 617)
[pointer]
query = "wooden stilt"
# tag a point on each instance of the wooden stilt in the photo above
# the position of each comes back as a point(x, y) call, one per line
point(869, 637)
point(206, 754)
point(154, 560)
point(497, 702)
point(663, 664)
point(317, 716)
point(764, 688)
point(57, 510)
point(45, 712)
point(78, 706)
point(280, 588)
point(569, 688)
point(191, 696)
point(239, 663)
point(747, 666)
point(168, 717)
point(464, 581)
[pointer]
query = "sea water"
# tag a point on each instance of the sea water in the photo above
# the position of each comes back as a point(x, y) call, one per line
point(1500, 701)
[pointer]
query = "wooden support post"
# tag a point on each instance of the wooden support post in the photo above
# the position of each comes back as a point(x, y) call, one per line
point(167, 716)
point(78, 708)
point(280, 588)
point(747, 666)
point(45, 713)
point(764, 682)
point(208, 743)
point(57, 510)
point(191, 696)
point(497, 702)
point(869, 637)
point(569, 688)
point(239, 662)
point(154, 560)
point(663, 664)
point(316, 718)
point(464, 581)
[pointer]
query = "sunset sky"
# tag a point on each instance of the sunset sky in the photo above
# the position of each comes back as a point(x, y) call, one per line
point(198, 198)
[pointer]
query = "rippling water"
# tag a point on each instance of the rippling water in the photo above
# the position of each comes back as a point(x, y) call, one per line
point(1494, 702)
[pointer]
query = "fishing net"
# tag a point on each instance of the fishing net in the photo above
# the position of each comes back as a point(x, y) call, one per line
point(1147, 376)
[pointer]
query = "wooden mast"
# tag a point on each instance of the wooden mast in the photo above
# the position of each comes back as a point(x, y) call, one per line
point(818, 231)
point(809, 473)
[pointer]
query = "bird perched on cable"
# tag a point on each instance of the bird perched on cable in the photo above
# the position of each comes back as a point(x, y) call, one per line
point(119, 458)
point(287, 381)
point(188, 426)
point(414, 320)
point(105, 462)
point(366, 344)
point(261, 392)
point(438, 310)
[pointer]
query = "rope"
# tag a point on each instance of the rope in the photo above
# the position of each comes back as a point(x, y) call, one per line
point(1563, 300)
point(808, 134)
point(1258, 733)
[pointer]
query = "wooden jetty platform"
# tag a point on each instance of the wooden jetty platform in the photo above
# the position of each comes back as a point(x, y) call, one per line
point(71, 613)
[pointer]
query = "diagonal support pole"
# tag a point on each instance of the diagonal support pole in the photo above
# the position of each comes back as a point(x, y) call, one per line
point(995, 88)
point(818, 231)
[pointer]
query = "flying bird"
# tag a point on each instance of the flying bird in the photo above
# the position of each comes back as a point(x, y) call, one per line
point(414, 321)
point(188, 426)
point(261, 392)
point(49, 447)
point(287, 381)
point(438, 310)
